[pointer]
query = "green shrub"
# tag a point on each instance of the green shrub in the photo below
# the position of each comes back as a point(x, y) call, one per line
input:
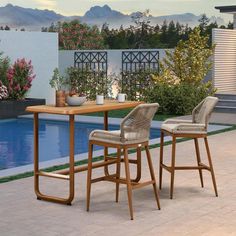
point(179, 99)
point(137, 84)
point(189, 62)
point(180, 85)
point(89, 82)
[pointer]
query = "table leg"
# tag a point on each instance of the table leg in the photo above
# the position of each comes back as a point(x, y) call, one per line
point(36, 155)
point(38, 173)
point(105, 128)
point(106, 171)
point(72, 158)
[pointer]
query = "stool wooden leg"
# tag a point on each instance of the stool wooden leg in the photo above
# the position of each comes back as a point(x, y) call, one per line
point(139, 165)
point(118, 173)
point(89, 174)
point(161, 159)
point(128, 182)
point(172, 166)
point(211, 166)
point(152, 176)
point(198, 160)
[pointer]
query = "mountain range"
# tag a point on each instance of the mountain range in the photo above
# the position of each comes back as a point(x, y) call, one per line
point(34, 19)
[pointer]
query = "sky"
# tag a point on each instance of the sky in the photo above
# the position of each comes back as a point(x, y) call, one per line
point(156, 7)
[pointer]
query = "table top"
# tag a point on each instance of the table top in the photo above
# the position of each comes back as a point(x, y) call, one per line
point(87, 107)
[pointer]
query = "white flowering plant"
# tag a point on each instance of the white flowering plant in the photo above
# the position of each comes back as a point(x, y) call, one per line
point(3, 91)
point(57, 81)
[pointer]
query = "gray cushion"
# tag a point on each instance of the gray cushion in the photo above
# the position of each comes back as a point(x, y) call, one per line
point(115, 137)
point(184, 128)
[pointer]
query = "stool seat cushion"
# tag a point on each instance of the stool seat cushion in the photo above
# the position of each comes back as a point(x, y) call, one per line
point(114, 137)
point(184, 128)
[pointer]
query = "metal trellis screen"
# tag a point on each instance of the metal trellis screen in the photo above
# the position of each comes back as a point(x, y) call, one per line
point(93, 65)
point(137, 67)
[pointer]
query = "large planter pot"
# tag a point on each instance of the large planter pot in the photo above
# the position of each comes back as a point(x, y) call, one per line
point(12, 108)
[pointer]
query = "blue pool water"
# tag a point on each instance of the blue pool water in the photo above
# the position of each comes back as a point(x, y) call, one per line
point(16, 140)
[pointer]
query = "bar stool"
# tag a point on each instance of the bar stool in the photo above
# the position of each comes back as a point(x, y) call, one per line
point(195, 128)
point(134, 133)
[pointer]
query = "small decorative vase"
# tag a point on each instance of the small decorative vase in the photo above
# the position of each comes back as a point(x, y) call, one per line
point(60, 98)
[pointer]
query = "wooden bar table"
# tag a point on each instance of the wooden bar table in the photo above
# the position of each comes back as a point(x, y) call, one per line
point(87, 107)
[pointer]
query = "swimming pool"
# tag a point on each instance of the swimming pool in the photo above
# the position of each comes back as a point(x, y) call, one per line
point(16, 140)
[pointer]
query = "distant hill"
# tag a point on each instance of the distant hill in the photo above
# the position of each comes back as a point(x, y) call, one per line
point(99, 15)
point(34, 19)
point(104, 12)
point(15, 16)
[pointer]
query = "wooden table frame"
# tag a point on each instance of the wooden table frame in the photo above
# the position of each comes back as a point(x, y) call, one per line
point(68, 174)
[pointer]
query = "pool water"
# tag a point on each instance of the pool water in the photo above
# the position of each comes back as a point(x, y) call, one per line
point(16, 140)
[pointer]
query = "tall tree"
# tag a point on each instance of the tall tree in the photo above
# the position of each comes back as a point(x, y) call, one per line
point(164, 34)
point(203, 22)
point(7, 27)
point(142, 28)
point(189, 62)
point(230, 25)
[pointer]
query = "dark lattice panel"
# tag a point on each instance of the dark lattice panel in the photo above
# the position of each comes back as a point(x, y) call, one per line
point(94, 61)
point(137, 66)
point(133, 61)
point(93, 65)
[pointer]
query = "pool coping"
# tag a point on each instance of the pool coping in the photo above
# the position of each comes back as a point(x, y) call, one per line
point(83, 156)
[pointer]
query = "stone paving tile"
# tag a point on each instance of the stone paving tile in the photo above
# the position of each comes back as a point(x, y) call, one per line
point(193, 211)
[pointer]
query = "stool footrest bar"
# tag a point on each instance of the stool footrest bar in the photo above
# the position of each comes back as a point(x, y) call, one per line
point(206, 167)
point(140, 185)
point(85, 167)
point(200, 167)
point(166, 167)
point(53, 175)
point(190, 167)
point(102, 178)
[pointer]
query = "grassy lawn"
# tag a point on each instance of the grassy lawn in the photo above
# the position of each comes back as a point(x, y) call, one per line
point(124, 112)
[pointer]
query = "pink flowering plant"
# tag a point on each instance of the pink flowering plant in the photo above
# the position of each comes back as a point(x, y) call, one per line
point(19, 79)
point(75, 35)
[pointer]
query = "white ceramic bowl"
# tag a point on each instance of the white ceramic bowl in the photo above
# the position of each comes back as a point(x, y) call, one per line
point(75, 101)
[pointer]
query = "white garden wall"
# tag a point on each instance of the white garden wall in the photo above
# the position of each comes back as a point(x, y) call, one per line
point(39, 47)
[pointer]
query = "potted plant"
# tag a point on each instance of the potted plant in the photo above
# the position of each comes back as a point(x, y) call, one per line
point(58, 82)
point(15, 82)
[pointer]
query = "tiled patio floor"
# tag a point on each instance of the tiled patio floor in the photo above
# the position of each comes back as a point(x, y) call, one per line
point(193, 211)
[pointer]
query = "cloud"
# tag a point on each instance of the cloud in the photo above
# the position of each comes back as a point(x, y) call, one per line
point(49, 4)
point(185, 0)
